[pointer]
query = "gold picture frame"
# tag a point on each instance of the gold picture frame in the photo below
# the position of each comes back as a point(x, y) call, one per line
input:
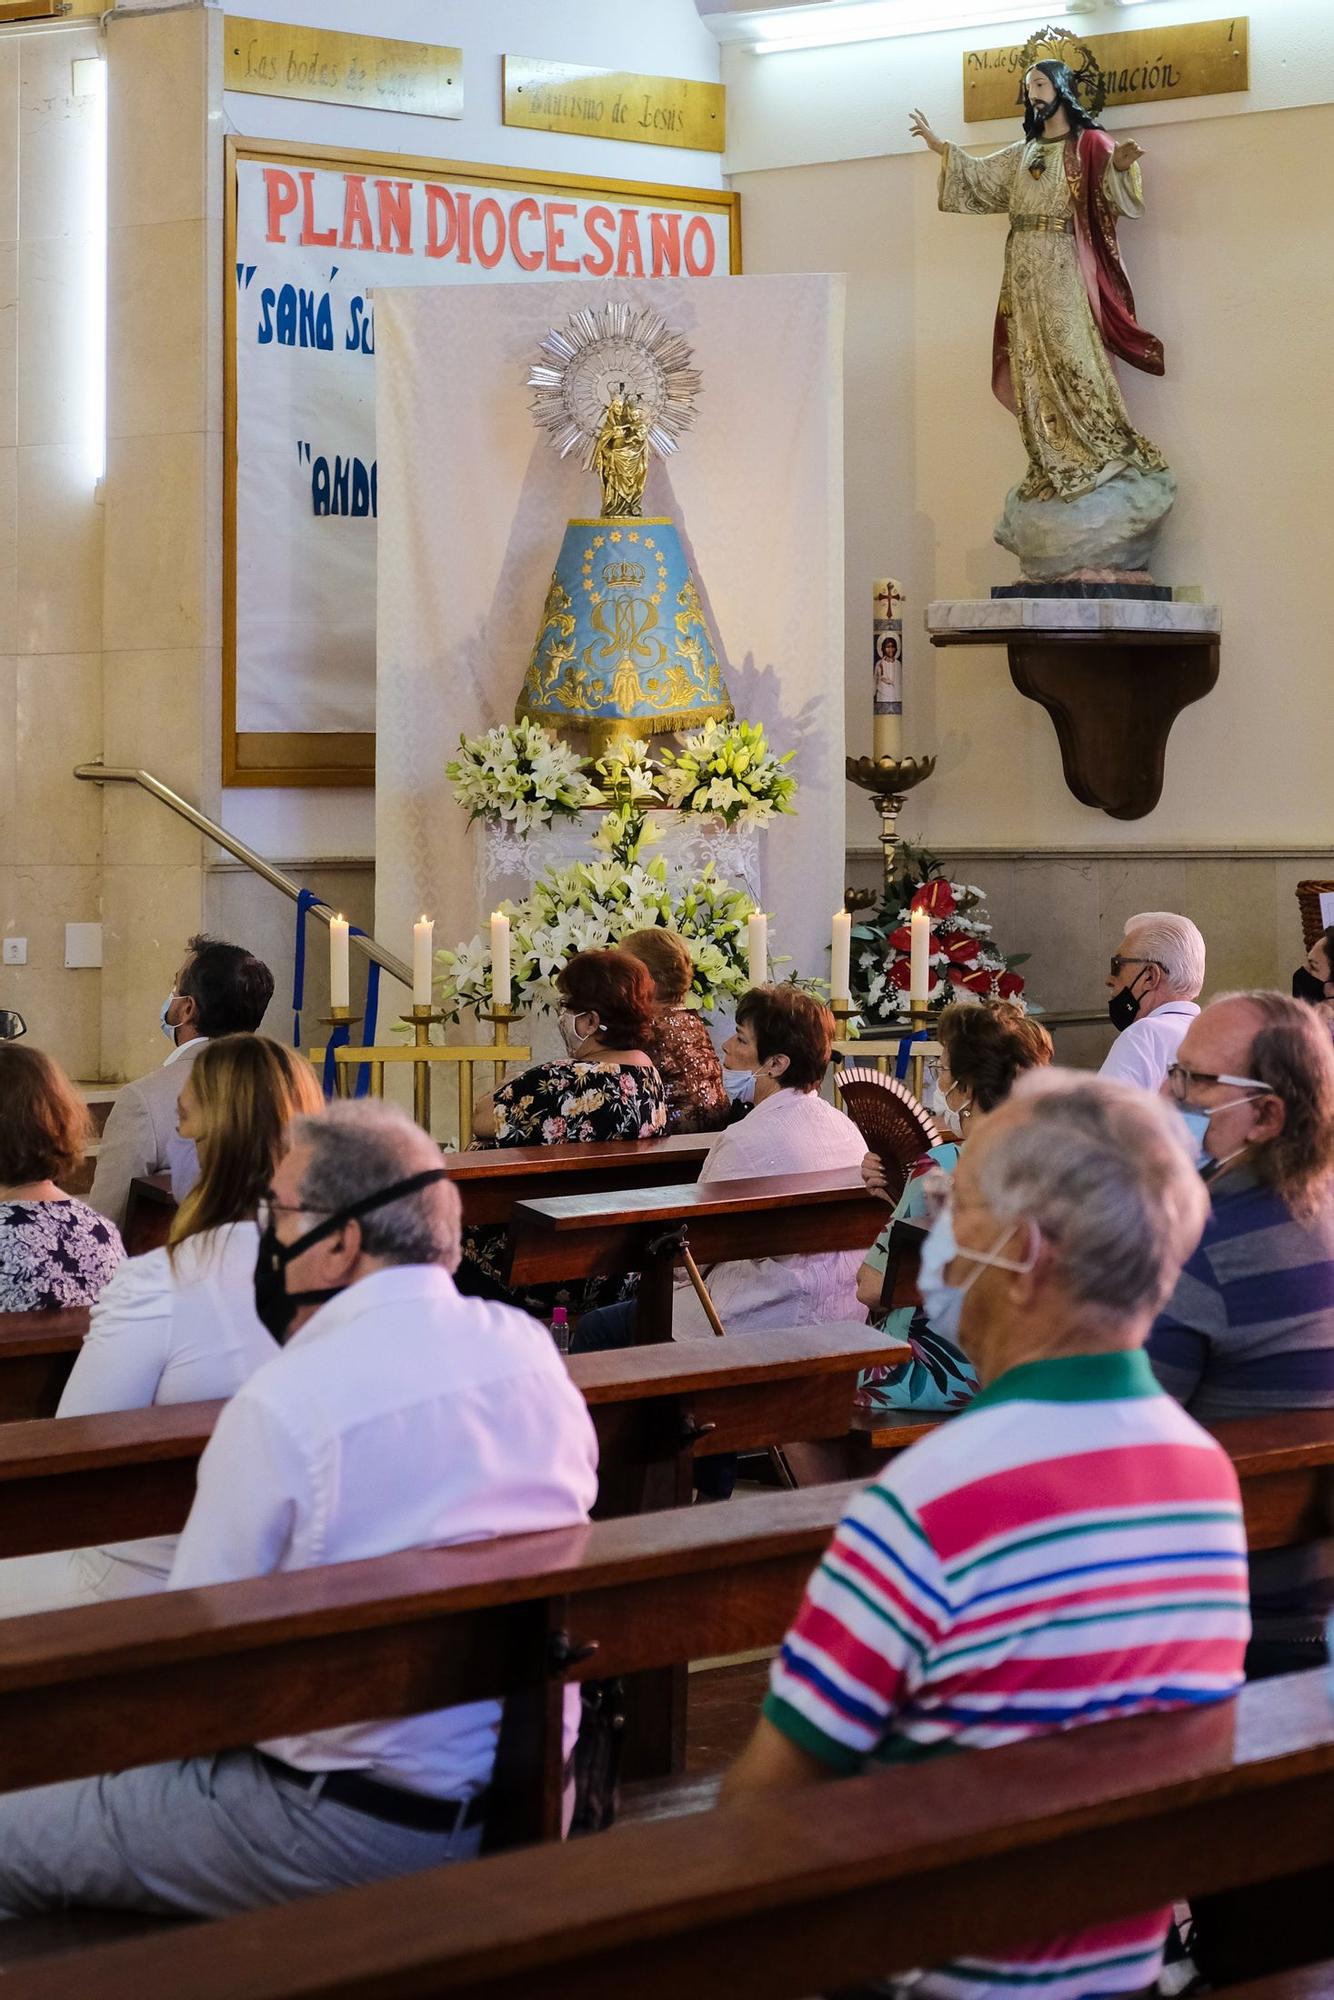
point(316, 758)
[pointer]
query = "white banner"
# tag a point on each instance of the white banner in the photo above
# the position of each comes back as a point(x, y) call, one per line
point(311, 242)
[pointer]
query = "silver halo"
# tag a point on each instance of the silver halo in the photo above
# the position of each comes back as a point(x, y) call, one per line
point(586, 361)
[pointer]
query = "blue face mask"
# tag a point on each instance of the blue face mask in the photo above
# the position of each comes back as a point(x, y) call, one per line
point(1197, 1123)
point(167, 1006)
point(942, 1301)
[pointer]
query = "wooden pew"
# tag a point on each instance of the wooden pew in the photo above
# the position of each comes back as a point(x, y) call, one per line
point(789, 1895)
point(645, 1230)
point(37, 1351)
point(70, 1481)
point(191, 1671)
point(489, 1181)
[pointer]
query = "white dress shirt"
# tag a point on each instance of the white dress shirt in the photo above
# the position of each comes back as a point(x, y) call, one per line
point(401, 1416)
point(179, 1329)
point(791, 1132)
point(1142, 1052)
point(141, 1137)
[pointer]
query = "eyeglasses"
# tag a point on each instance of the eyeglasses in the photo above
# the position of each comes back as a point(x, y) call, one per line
point(1116, 963)
point(1181, 1081)
point(268, 1206)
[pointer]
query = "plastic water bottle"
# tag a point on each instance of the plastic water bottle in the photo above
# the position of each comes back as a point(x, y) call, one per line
point(560, 1330)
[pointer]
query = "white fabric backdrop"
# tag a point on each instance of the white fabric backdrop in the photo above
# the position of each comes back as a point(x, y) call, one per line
point(472, 507)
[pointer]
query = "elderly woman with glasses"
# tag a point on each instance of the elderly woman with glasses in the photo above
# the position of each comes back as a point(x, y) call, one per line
point(985, 1048)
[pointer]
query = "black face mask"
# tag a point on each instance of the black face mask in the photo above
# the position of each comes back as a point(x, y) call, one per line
point(275, 1306)
point(1123, 1007)
point(1305, 986)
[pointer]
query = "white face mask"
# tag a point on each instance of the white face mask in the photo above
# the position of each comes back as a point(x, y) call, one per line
point(939, 1106)
point(573, 1040)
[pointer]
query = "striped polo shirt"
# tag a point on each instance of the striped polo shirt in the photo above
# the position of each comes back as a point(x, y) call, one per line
point(1248, 1331)
point(1068, 1549)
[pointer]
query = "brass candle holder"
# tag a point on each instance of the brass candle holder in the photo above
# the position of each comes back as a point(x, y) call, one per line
point(498, 1020)
point(341, 1017)
point(423, 1018)
point(889, 781)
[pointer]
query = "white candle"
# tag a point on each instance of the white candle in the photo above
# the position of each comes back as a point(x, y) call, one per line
point(340, 990)
point(919, 966)
point(840, 957)
point(502, 985)
point(757, 946)
point(886, 669)
point(423, 941)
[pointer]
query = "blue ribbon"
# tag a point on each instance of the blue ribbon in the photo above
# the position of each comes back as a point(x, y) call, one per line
point(904, 1056)
point(306, 898)
point(341, 1036)
point(363, 1082)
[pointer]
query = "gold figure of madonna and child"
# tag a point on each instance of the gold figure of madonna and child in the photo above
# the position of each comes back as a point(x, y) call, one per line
point(1096, 489)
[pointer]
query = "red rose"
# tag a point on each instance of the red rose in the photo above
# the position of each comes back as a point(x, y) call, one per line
point(901, 939)
point(961, 950)
point(936, 898)
point(900, 975)
point(1010, 984)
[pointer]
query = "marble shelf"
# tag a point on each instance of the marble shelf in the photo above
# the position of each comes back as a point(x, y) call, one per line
point(1113, 674)
point(1002, 615)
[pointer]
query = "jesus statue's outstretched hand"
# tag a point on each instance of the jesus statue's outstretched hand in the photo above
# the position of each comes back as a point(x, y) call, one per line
point(1125, 155)
point(921, 129)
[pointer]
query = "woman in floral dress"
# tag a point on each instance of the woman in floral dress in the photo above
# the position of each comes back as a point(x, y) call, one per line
point(606, 1087)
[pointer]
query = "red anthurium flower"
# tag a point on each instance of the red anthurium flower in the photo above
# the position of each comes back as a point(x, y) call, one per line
point(900, 975)
point(901, 939)
point(1010, 984)
point(979, 982)
point(936, 898)
point(962, 950)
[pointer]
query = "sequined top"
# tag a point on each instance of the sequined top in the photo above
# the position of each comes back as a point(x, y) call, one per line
point(691, 1073)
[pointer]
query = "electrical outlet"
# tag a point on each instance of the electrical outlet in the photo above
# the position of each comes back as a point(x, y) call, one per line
point(83, 944)
point(15, 951)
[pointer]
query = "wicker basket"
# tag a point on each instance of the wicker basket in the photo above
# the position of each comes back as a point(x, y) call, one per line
point(1308, 902)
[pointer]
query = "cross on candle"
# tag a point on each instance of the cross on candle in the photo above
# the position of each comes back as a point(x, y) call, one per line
point(885, 600)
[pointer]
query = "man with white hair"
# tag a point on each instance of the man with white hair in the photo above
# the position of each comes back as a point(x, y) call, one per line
point(398, 1415)
point(1155, 974)
point(1070, 1546)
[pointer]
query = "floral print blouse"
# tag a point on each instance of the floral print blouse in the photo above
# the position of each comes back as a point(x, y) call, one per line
point(561, 1104)
point(54, 1254)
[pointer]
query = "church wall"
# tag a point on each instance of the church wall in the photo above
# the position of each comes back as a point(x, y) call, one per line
point(51, 524)
point(1230, 266)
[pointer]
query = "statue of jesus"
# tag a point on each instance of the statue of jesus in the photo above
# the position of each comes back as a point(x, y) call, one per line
point(1065, 302)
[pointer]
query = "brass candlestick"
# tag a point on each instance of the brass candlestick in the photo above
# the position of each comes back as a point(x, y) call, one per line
point(423, 1017)
point(341, 1017)
point(920, 1016)
point(889, 780)
point(498, 1019)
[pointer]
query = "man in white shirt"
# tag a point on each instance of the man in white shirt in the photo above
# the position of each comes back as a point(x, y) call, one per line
point(1155, 974)
point(399, 1415)
point(220, 989)
point(783, 1038)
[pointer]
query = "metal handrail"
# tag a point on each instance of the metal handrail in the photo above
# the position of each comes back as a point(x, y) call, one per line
point(108, 774)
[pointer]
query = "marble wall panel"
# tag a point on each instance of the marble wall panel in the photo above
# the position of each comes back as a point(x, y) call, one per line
point(60, 1006)
point(157, 379)
point(152, 697)
point(9, 353)
point(155, 555)
point(8, 755)
point(59, 567)
point(9, 548)
point(59, 725)
point(9, 139)
point(149, 912)
point(57, 277)
point(160, 129)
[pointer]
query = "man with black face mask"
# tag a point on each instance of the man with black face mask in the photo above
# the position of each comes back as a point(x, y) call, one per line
point(1155, 974)
point(398, 1415)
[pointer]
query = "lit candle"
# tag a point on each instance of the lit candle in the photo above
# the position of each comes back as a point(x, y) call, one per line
point(840, 957)
point(919, 963)
point(757, 946)
point(887, 668)
point(502, 986)
point(423, 939)
point(340, 990)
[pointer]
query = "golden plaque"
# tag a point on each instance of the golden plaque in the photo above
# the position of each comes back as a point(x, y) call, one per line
point(276, 59)
point(614, 104)
point(1141, 66)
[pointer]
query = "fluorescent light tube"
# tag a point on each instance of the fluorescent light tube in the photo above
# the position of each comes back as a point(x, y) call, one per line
point(880, 20)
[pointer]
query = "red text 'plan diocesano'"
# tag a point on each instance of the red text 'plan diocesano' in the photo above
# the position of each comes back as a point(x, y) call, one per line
point(416, 218)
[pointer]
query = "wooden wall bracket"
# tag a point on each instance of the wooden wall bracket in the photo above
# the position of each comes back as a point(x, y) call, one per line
point(1113, 697)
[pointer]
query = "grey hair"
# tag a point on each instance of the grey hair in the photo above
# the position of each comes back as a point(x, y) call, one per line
point(1174, 943)
point(1107, 1173)
point(357, 1148)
